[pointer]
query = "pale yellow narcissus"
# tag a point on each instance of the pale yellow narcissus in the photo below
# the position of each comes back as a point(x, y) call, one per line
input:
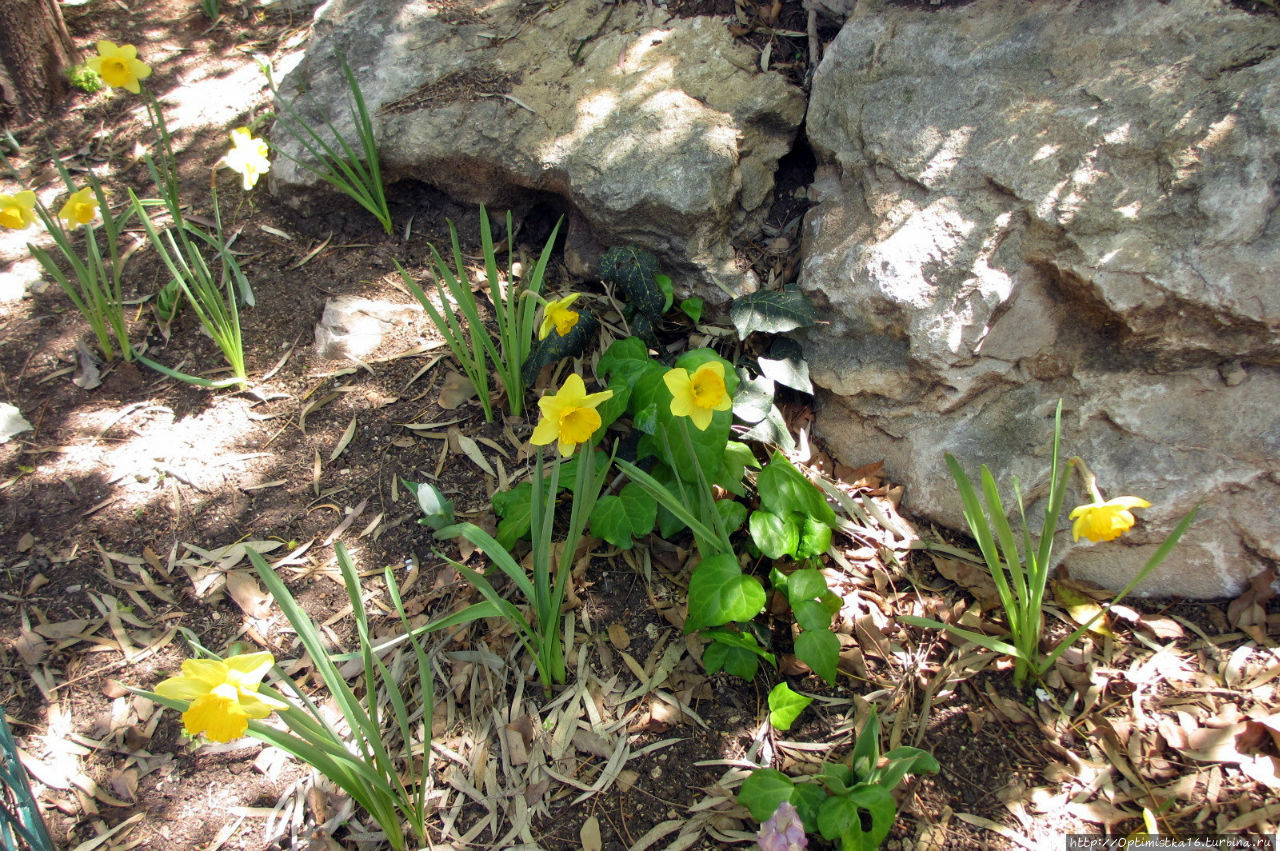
point(247, 157)
point(569, 417)
point(18, 211)
point(1105, 521)
point(223, 694)
point(700, 394)
point(119, 66)
point(557, 315)
point(80, 208)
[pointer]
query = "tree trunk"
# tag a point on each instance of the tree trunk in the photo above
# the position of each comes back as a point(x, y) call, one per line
point(35, 53)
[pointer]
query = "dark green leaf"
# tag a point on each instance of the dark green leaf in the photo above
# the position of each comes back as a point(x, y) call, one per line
point(719, 593)
point(620, 518)
point(786, 365)
point(806, 584)
point(772, 429)
point(820, 650)
point(553, 347)
point(628, 353)
point(632, 269)
point(785, 706)
point(837, 816)
point(901, 762)
point(866, 750)
point(777, 537)
point(808, 799)
point(815, 538)
point(736, 653)
point(737, 458)
point(877, 801)
point(763, 791)
point(753, 400)
point(515, 511)
point(733, 513)
point(784, 489)
point(772, 312)
point(811, 615)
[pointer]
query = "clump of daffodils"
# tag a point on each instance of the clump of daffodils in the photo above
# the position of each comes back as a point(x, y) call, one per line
point(223, 694)
point(569, 417)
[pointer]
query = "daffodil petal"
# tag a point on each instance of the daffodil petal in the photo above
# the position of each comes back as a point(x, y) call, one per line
point(251, 666)
point(220, 718)
point(183, 688)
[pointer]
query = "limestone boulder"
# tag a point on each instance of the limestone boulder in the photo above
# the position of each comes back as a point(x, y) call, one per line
point(1024, 202)
point(645, 128)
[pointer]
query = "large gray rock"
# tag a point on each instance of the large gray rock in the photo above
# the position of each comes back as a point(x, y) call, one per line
point(650, 129)
point(1021, 202)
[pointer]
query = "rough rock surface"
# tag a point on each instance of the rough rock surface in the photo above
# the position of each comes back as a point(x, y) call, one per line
point(645, 128)
point(1021, 202)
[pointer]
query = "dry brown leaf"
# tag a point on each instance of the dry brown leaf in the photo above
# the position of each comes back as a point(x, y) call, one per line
point(971, 577)
point(455, 391)
point(590, 835)
point(618, 636)
point(248, 595)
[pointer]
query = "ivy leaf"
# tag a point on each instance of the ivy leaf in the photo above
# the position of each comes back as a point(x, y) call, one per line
point(785, 706)
point(763, 791)
point(733, 513)
point(553, 347)
point(692, 308)
point(737, 458)
point(772, 429)
point(772, 312)
point(719, 592)
point(815, 538)
point(820, 650)
point(515, 508)
point(634, 270)
point(786, 365)
point(811, 615)
point(753, 400)
point(620, 518)
point(784, 489)
point(735, 653)
point(775, 535)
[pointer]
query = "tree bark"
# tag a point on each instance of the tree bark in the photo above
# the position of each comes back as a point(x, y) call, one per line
point(36, 52)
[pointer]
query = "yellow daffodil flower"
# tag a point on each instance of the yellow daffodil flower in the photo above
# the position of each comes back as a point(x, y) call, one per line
point(80, 208)
point(700, 394)
point(119, 66)
point(557, 315)
point(223, 694)
point(18, 211)
point(569, 417)
point(247, 157)
point(1105, 521)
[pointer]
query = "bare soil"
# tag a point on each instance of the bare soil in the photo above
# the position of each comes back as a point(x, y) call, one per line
point(117, 506)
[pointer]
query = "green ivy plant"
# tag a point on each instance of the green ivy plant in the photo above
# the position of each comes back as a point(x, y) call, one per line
point(847, 802)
